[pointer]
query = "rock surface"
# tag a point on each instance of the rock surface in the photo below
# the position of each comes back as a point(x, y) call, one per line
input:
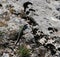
point(32, 23)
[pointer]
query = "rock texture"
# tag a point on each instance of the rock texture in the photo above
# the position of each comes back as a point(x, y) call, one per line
point(31, 23)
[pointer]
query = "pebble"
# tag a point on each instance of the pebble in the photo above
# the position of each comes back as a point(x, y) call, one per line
point(5, 55)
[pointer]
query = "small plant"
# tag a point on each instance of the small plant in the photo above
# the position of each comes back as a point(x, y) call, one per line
point(23, 51)
point(1, 33)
